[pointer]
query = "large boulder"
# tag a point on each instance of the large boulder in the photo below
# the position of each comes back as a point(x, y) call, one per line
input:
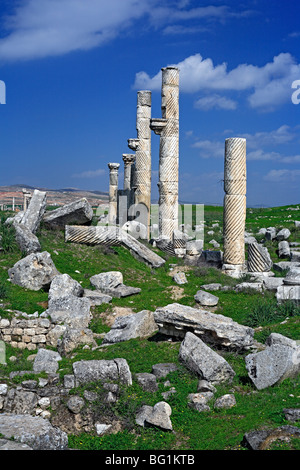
point(63, 285)
point(77, 212)
point(139, 324)
point(176, 319)
point(34, 431)
point(26, 240)
point(36, 271)
point(35, 211)
point(278, 361)
point(70, 310)
point(202, 360)
point(111, 283)
point(46, 361)
point(102, 370)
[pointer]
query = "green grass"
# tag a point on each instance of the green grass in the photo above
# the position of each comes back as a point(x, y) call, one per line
point(214, 430)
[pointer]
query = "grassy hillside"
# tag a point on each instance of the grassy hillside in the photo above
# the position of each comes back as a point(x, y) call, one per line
point(217, 429)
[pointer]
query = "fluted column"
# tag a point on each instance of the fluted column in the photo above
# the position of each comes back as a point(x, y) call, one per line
point(128, 159)
point(113, 192)
point(168, 129)
point(234, 214)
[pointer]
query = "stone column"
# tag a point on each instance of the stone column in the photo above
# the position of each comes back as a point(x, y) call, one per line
point(168, 129)
point(142, 147)
point(113, 192)
point(234, 210)
point(26, 198)
point(128, 160)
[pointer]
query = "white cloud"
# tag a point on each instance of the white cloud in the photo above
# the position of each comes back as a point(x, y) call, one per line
point(54, 27)
point(42, 28)
point(89, 174)
point(259, 145)
point(282, 176)
point(215, 101)
point(269, 86)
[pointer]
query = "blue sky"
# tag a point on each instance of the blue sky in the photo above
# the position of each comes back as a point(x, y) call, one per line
point(72, 69)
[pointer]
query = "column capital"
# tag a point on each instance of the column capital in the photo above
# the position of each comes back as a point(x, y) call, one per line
point(128, 158)
point(113, 166)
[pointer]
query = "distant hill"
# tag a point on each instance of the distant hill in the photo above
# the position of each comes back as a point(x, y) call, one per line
point(13, 194)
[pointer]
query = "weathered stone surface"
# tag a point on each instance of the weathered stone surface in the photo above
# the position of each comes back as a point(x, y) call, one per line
point(262, 439)
point(141, 251)
point(288, 293)
point(74, 337)
point(46, 360)
point(160, 416)
point(63, 285)
point(292, 414)
point(175, 319)
point(35, 271)
point(71, 310)
point(26, 240)
point(107, 281)
point(283, 234)
point(225, 401)
point(258, 258)
point(102, 370)
point(206, 299)
point(270, 233)
point(33, 431)
point(163, 369)
point(12, 445)
point(96, 298)
point(272, 283)
point(199, 401)
point(75, 404)
point(143, 413)
point(295, 256)
point(293, 277)
point(139, 324)
point(205, 362)
point(147, 381)
point(248, 285)
point(77, 212)
point(284, 249)
point(280, 360)
point(35, 211)
point(180, 278)
point(283, 265)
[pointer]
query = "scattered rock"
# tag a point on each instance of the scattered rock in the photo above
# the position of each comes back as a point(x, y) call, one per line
point(26, 240)
point(262, 439)
point(180, 278)
point(292, 414)
point(46, 360)
point(77, 212)
point(147, 381)
point(176, 319)
point(111, 283)
point(284, 249)
point(34, 431)
point(199, 401)
point(278, 361)
point(206, 299)
point(160, 416)
point(137, 325)
point(225, 401)
point(102, 370)
point(63, 285)
point(163, 369)
point(206, 363)
point(35, 211)
point(36, 271)
point(283, 234)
